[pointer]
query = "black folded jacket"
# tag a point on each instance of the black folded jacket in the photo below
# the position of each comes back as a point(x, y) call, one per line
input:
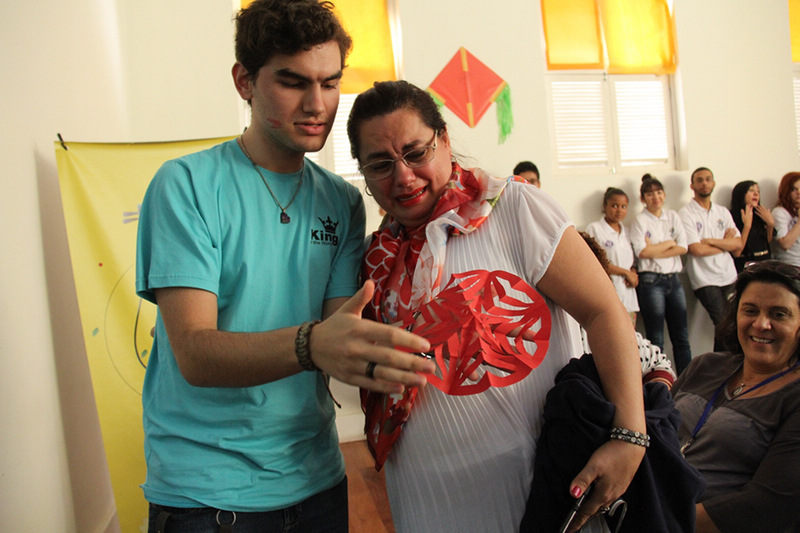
point(577, 420)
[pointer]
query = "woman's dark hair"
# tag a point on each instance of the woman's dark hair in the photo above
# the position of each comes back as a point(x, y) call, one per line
point(649, 184)
point(737, 200)
point(785, 191)
point(611, 192)
point(269, 27)
point(598, 251)
point(770, 271)
point(386, 97)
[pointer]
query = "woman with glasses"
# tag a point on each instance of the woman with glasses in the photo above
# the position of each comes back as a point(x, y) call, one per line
point(487, 269)
point(740, 411)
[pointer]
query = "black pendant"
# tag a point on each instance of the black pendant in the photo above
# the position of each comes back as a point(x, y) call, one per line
point(285, 218)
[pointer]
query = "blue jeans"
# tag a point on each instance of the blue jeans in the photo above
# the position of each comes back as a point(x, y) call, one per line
point(325, 512)
point(661, 297)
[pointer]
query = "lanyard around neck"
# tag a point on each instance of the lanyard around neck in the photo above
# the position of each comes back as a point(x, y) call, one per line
point(712, 401)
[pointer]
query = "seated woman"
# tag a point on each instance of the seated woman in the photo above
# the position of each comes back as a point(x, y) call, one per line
point(465, 462)
point(741, 410)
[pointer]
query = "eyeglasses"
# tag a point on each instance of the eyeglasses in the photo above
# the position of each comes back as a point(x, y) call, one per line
point(414, 158)
point(772, 266)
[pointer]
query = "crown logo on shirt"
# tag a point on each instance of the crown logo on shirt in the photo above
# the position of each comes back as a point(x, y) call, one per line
point(328, 224)
point(328, 235)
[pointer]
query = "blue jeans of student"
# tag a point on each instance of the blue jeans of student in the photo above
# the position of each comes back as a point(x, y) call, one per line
point(661, 297)
point(715, 299)
point(325, 512)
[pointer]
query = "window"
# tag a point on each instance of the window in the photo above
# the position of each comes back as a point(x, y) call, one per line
point(796, 83)
point(603, 121)
point(335, 156)
point(794, 31)
point(609, 90)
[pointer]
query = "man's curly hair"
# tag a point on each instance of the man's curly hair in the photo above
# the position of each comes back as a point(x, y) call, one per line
point(269, 27)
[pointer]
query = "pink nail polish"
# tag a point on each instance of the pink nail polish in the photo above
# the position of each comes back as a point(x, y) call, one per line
point(576, 492)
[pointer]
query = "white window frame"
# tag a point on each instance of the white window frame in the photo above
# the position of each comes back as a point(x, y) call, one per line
point(335, 155)
point(578, 151)
point(796, 89)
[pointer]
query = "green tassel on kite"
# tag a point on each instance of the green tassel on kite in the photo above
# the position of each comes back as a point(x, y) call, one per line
point(438, 101)
point(505, 118)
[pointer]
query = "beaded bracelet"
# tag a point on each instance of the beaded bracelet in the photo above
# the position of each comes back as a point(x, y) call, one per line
point(301, 348)
point(634, 437)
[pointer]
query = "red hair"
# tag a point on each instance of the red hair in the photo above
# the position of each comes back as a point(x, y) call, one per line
point(785, 192)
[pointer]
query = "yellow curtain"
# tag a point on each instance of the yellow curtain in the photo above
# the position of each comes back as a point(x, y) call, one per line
point(372, 57)
point(794, 27)
point(637, 35)
point(572, 33)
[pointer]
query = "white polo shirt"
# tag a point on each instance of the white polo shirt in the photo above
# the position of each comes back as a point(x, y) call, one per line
point(620, 252)
point(784, 221)
point(658, 229)
point(712, 270)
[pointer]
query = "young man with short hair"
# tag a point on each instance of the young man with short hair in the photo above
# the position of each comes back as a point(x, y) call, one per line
point(252, 253)
point(711, 235)
point(528, 171)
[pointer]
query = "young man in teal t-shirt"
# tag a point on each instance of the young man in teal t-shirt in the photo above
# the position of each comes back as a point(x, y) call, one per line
point(251, 253)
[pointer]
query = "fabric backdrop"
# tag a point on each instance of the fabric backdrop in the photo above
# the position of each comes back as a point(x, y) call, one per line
point(102, 186)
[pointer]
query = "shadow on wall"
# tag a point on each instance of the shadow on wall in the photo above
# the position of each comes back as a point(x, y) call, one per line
point(92, 496)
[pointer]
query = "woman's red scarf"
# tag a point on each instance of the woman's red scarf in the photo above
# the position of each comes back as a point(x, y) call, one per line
point(406, 266)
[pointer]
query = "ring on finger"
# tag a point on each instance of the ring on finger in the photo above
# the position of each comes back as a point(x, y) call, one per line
point(604, 509)
point(370, 373)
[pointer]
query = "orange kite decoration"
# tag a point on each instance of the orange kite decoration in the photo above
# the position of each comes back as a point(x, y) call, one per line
point(468, 87)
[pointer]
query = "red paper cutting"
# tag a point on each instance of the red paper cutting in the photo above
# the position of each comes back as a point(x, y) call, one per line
point(480, 320)
point(483, 318)
point(467, 87)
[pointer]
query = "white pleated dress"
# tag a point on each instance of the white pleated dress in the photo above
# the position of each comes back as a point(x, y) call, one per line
point(464, 463)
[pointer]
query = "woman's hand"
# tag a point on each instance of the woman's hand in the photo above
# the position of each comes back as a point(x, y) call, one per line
point(613, 342)
point(765, 215)
point(344, 345)
point(747, 216)
point(611, 468)
point(631, 278)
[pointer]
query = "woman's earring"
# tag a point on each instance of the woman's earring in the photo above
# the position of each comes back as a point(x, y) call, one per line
point(367, 191)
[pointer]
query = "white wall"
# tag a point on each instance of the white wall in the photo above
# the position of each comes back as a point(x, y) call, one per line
point(93, 70)
point(131, 70)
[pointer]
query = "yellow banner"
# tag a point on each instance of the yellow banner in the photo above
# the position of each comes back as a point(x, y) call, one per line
point(102, 186)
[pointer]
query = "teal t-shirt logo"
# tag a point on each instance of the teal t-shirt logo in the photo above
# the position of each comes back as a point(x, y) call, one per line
point(328, 233)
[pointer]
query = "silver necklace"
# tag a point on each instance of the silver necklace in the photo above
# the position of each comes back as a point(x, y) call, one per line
point(285, 219)
point(740, 389)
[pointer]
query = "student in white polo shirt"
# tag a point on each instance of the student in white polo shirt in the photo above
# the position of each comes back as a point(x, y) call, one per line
point(711, 235)
point(659, 241)
point(611, 234)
